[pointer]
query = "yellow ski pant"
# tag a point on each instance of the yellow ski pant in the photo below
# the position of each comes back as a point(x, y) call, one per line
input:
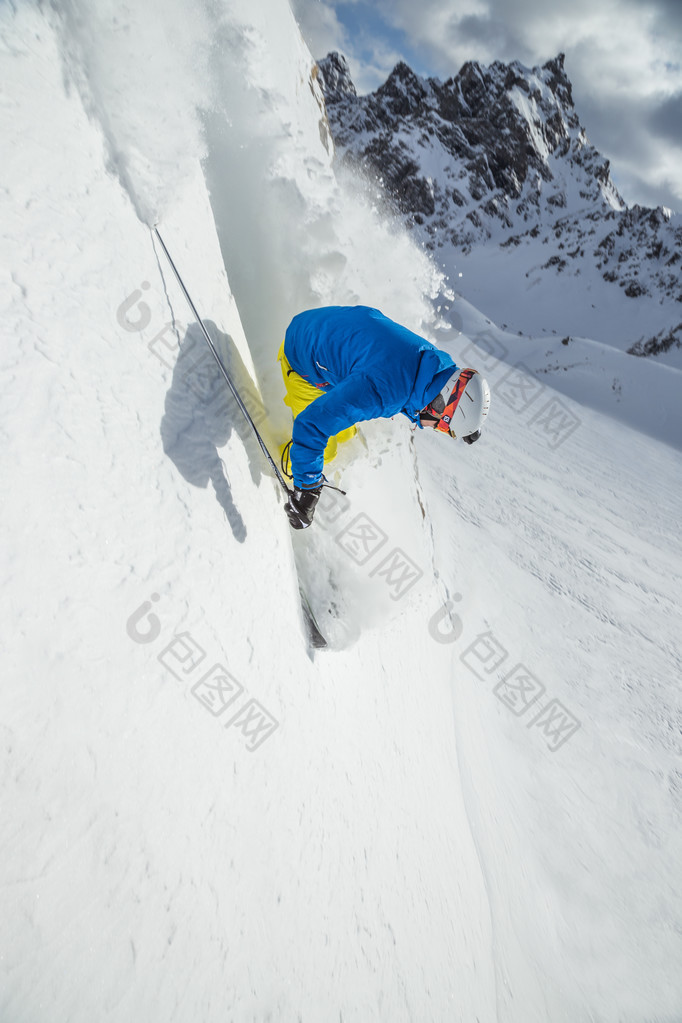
point(299, 394)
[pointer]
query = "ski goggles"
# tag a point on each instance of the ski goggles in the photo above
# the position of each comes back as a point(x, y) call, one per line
point(452, 401)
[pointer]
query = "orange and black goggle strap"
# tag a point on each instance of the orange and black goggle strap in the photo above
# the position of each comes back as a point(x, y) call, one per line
point(444, 423)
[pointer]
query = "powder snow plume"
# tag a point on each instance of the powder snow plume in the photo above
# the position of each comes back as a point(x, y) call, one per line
point(140, 70)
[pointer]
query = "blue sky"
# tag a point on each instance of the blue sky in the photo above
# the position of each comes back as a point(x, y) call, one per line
point(367, 27)
point(624, 58)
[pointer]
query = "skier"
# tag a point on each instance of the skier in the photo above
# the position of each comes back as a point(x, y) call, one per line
point(344, 364)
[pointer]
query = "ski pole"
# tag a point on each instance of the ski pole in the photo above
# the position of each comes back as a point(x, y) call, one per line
point(221, 367)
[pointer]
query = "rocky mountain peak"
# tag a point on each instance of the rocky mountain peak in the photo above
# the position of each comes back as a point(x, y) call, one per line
point(335, 78)
point(497, 155)
point(499, 130)
point(403, 92)
point(558, 81)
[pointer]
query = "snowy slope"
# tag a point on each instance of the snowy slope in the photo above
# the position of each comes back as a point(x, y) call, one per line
point(523, 371)
point(153, 865)
point(369, 834)
point(567, 563)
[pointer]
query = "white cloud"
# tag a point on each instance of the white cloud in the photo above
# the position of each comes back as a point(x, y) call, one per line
point(320, 26)
point(624, 58)
point(370, 55)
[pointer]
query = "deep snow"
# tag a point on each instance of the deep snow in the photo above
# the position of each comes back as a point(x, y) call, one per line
point(386, 831)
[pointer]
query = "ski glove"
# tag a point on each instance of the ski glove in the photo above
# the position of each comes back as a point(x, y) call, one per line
point(472, 437)
point(300, 507)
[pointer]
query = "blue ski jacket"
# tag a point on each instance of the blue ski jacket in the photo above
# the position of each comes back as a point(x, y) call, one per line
point(369, 368)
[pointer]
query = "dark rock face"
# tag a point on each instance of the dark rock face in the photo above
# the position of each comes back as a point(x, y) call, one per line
point(493, 129)
point(335, 80)
point(659, 343)
point(497, 155)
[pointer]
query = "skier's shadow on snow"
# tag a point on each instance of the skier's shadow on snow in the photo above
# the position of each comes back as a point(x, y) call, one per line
point(201, 413)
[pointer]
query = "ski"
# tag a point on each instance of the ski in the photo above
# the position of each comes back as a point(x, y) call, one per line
point(315, 637)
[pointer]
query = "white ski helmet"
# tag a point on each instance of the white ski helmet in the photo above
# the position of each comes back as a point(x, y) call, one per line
point(462, 404)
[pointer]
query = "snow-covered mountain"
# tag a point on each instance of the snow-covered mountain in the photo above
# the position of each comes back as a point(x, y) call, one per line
point(470, 808)
point(497, 157)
